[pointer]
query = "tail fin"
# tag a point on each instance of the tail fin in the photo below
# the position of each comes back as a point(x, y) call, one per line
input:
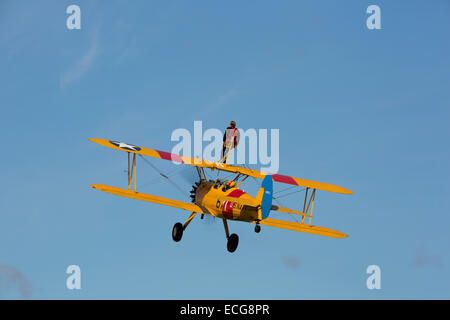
point(264, 196)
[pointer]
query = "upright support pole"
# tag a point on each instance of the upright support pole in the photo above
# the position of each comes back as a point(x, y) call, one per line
point(228, 148)
point(225, 224)
point(189, 220)
point(241, 181)
point(313, 196)
point(304, 204)
point(134, 173)
point(310, 199)
point(199, 174)
point(204, 175)
point(128, 171)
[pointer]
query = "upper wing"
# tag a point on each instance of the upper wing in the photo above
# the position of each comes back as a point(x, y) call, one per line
point(220, 166)
point(295, 226)
point(150, 198)
point(288, 179)
point(151, 152)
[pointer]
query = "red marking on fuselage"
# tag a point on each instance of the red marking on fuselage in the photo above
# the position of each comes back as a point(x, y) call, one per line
point(227, 208)
point(169, 156)
point(236, 193)
point(284, 179)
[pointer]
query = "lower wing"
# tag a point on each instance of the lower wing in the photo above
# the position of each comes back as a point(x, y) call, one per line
point(150, 198)
point(301, 227)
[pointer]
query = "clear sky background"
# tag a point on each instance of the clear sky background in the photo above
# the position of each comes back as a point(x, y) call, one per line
point(368, 110)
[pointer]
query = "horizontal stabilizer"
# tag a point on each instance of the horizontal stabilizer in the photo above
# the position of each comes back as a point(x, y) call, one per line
point(287, 210)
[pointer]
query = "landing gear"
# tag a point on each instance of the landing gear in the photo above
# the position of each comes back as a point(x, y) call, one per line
point(257, 228)
point(178, 228)
point(177, 232)
point(232, 240)
point(232, 243)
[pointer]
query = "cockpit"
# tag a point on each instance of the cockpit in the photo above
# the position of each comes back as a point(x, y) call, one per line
point(219, 183)
point(223, 184)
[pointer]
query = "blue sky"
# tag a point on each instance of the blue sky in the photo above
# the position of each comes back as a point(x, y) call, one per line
point(364, 109)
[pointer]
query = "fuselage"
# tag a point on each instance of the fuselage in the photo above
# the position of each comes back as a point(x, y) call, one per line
point(224, 202)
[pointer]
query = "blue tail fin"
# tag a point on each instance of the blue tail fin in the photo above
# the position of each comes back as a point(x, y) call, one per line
point(265, 196)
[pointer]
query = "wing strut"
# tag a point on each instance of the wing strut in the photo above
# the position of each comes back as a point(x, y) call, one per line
point(189, 220)
point(310, 205)
point(132, 172)
point(163, 175)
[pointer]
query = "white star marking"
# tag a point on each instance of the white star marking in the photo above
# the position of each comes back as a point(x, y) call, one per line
point(124, 145)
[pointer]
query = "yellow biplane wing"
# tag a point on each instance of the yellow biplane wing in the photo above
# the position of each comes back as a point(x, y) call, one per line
point(150, 198)
point(220, 166)
point(153, 153)
point(301, 227)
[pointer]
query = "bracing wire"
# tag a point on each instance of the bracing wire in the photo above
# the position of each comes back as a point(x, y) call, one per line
point(288, 188)
point(276, 199)
point(287, 194)
point(171, 174)
point(164, 176)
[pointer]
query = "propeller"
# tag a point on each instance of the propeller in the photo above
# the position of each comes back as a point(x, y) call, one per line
point(190, 175)
point(209, 219)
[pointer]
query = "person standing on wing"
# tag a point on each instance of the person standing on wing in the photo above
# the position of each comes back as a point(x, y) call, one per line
point(230, 140)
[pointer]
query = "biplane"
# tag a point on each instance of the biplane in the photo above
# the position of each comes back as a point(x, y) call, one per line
point(223, 198)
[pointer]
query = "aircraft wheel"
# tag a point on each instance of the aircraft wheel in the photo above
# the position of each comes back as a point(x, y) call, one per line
point(177, 232)
point(233, 241)
point(257, 228)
